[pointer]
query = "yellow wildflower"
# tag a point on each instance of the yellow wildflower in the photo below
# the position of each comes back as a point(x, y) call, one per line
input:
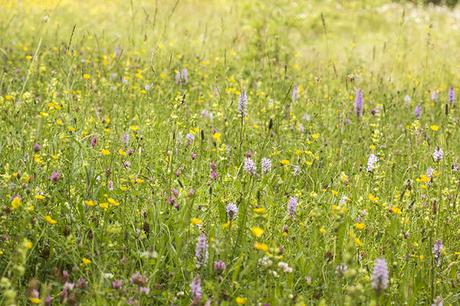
point(259, 210)
point(27, 244)
point(257, 231)
point(373, 198)
point(196, 221)
point(105, 152)
point(40, 197)
point(360, 226)
point(261, 246)
point(16, 202)
point(217, 137)
point(113, 202)
point(122, 152)
point(50, 220)
point(85, 261)
point(90, 203)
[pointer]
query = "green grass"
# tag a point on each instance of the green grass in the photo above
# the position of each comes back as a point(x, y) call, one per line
point(73, 71)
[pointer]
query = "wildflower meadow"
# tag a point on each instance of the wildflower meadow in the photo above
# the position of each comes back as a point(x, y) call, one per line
point(229, 152)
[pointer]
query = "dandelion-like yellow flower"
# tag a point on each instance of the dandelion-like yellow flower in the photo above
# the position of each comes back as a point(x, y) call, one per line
point(113, 202)
point(16, 202)
point(241, 300)
point(40, 197)
point(122, 152)
point(50, 220)
point(261, 246)
point(358, 242)
point(105, 152)
point(360, 226)
point(85, 261)
point(90, 203)
point(284, 162)
point(257, 231)
point(372, 198)
point(27, 244)
point(217, 137)
point(196, 221)
point(259, 210)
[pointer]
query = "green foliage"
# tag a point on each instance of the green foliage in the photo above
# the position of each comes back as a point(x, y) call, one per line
point(114, 159)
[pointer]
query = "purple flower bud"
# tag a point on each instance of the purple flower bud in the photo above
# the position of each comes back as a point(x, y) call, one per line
point(195, 287)
point(219, 266)
point(126, 139)
point(177, 77)
point(117, 284)
point(184, 75)
point(82, 283)
point(243, 104)
point(250, 166)
point(232, 211)
point(190, 138)
point(175, 192)
point(292, 206)
point(437, 248)
point(93, 141)
point(451, 95)
point(37, 148)
point(138, 279)
point(48, 300)
point(295, 93)
point(266, 165)
point(418, 112)
point(380, 276)
point(214, 174)
point(201, 251)
point(181, 76)
point(359, 103)
point(55, 176)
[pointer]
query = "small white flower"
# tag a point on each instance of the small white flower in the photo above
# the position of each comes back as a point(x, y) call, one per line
point(285, 267)
point(107, 275)
point(371, 162)
point(438, 154)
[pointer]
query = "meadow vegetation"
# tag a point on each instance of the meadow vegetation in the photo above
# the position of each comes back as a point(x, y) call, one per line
point(218, 152)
